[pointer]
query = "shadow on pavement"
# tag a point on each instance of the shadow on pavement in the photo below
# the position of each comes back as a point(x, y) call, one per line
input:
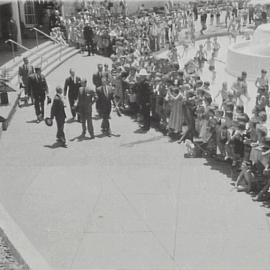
point(156, 138)
point(222, 167)
point(103, 135)
point(70, 120)
point(140, 131)
point(55, 145)
point(81, 138)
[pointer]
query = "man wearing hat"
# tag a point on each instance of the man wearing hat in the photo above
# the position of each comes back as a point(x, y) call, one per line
point(39, 88)
point(24, 72)
point(86, 99)
point(144, 97)
point(58, 112)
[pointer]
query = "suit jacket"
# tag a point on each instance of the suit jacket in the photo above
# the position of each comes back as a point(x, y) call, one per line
point(143, 91)
point(58, 109)
point(85, 101)
point(72, 86)
point(24, 72)
point(88, 33)
point(105, 99)
point(38, 85)
point(97, 79)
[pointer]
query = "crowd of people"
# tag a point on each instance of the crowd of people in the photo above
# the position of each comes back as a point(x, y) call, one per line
point(167, 94)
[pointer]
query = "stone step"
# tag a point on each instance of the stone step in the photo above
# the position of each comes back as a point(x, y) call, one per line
point(53, 61)
point(19, 59)
point(68, 54)
point(52, 52)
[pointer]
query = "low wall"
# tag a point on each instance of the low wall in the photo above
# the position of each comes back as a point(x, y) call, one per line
point(238, 61)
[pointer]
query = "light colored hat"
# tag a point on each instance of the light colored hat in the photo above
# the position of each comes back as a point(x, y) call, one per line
point(143, 72)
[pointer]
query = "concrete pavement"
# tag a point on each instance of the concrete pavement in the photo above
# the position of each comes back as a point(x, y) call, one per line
point(127, 202)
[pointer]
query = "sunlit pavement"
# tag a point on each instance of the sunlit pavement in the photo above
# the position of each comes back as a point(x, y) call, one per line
point(131, 201)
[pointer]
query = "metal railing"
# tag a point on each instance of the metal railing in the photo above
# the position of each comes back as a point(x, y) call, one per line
point(12, 42)
point(51, 38)
point(44, 34)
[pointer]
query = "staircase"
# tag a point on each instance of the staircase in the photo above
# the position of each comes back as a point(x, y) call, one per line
point(48, 55)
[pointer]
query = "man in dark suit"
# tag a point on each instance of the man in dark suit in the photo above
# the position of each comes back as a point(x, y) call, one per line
point(143, 90)
point(58, 112)
point(86, 99)
point(97, 81)
point(39, 88)
point(105, 98)
point(72, 84)
point(24, 72)
point(88, 37)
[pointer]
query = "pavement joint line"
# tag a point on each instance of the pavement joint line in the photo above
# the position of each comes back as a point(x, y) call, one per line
point(21, 243)
point(146, 224)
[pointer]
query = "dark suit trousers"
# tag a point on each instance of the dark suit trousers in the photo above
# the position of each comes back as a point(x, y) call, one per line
point(89, 45)
point(60, 130)
point(105, 124)
point(71, 100)
point(87, 119)
point(39, 105)
point(146, 116)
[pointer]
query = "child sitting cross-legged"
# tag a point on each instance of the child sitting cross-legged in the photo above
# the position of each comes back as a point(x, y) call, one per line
point(246, 177)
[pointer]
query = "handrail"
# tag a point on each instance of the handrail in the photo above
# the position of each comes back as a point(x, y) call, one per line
point(44, 34)
point(18, 44)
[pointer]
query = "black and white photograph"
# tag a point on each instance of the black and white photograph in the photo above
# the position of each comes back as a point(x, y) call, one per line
point(134, 135)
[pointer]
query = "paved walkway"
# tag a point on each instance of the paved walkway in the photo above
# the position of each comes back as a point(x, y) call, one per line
point(127, 202)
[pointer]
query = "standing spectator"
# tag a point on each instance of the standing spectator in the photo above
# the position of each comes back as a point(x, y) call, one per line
point(195, 11)
point(97, 81)
point(72, 84)
point(144, 96)
point(24, 72)
point(39, 88)
point(58, 112)
point(55, 20)
point(217, 16)
point(12, 33)
point(203, 21)
point(250, 14)
point(86, 99)
point(88, 37)
point(264, 15)
point(227, 15)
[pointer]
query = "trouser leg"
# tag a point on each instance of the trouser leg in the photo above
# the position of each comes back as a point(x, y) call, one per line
point(42, 103)
point(72, 109)
point(90, 125)
point(105, 125)
point(37, 106)
point(83, 122)
point(60, 131)
point(146, 116)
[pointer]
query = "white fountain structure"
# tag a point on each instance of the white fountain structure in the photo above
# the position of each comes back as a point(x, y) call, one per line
point(250, 56)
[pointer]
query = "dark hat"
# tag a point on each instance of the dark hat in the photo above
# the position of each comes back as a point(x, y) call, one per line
point(48, 121)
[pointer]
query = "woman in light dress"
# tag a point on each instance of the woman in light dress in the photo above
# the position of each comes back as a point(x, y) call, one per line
point(176, 120)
